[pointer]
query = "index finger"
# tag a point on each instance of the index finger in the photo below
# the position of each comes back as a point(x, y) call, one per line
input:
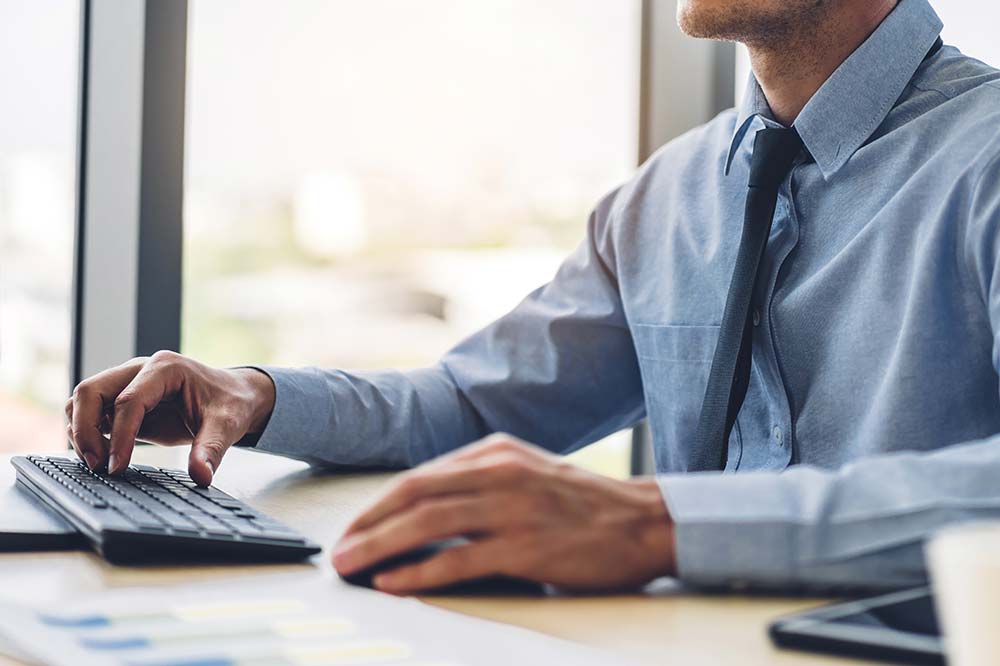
point(153, 383)
point(466, 476)
point(91, 398)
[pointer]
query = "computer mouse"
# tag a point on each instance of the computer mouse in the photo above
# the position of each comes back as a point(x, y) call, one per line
point(486, 586)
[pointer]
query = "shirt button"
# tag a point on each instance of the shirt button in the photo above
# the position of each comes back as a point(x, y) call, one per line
point(777, 434)
point(756, 317)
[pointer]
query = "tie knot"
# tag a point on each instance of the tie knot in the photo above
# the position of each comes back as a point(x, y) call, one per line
point(774, 150)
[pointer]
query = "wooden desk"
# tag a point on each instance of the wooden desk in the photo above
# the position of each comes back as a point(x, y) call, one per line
point(657, 627)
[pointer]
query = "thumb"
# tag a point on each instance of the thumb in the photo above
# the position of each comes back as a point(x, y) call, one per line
point(210, 444)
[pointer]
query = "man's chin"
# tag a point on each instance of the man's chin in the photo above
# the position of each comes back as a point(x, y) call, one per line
point(697, 20)
point(756, 22)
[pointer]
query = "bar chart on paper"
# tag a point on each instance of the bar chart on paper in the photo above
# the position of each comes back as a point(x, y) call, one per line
point(269, 623)
point(276, 631)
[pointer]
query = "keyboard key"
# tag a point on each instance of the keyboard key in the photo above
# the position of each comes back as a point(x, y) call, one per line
point(177, 521)
point(204, 506)
point(275, 530)
point(109, 496)
point(210, 525)
point(140, 517)
point(175, 503)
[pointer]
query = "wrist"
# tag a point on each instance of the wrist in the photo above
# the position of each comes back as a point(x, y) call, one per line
point(656, 529)
point(262, 397)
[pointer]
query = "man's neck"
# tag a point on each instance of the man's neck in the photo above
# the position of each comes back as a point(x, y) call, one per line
point(791, 71)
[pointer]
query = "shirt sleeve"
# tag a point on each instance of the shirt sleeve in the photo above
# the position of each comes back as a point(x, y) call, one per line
point(864, 524)
point(860, 526)
point(559, 370)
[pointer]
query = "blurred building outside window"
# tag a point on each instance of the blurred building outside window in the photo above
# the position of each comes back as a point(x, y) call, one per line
point(367, 183)
point(38, 85)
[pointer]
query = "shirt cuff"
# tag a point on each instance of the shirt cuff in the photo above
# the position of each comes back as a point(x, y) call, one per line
point(731, 530)
point(301, 414)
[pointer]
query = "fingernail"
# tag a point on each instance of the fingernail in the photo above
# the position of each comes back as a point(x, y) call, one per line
point(211, 467)
point(91, 460)
point(112, 463)
point(345, 545)
point(383, 580)
point(342, 558)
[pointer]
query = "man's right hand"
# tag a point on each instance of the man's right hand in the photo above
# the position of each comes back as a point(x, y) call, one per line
point(167, 399)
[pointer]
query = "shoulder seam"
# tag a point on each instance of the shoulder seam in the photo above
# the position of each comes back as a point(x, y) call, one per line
point(980, 178)
point(989, 84)
point(935, 90)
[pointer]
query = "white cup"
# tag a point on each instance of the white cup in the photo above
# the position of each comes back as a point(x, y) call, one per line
point(964, 563)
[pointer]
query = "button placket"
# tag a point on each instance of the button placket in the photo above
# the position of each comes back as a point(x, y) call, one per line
point(784, 443)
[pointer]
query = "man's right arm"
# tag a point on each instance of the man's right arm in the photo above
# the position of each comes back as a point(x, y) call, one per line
point(559, 370)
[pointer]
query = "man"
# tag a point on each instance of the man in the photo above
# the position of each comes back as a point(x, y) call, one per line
point(811, 308)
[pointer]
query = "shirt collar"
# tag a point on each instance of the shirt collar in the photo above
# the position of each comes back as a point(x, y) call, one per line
point(857, 97)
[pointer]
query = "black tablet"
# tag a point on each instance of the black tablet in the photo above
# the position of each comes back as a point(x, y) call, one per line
point(900, 627)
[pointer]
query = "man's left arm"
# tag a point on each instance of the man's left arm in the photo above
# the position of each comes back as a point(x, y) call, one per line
point(537, 517)
point(862, 525)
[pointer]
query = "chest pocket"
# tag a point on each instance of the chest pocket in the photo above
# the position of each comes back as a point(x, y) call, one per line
point(675, 362)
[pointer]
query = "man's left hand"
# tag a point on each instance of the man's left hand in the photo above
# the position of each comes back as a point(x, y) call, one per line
point(527, 513)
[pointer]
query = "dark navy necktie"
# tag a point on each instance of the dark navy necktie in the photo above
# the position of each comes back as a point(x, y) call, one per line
point(774, 150)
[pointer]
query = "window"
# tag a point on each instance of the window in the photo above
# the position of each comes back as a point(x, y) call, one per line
point(38, 76)
point(366, 183)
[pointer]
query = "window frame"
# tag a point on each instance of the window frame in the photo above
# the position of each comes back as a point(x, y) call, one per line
point(130, 166)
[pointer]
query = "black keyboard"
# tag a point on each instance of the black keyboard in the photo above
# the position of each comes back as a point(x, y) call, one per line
point(149, 514)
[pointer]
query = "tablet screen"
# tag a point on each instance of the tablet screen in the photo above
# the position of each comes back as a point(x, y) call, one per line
point(913, 615)
point(900, 627)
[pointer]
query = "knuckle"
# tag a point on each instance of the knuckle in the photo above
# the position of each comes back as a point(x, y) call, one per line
point(498, 440)
point(124, 400)
point(136, 364)
point(82, 390)
point(502, 442)
point(230, 421)
point(443, 518)
point(510, 466)
point(165, 356)
point(537, 504)
point(408, 487)
point(426, 517)
point(165, 360)
point(456, 560)
point(561, 469)
point(214, 446)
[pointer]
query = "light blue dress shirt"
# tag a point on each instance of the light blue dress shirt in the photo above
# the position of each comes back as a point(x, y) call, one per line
point(873, 407)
